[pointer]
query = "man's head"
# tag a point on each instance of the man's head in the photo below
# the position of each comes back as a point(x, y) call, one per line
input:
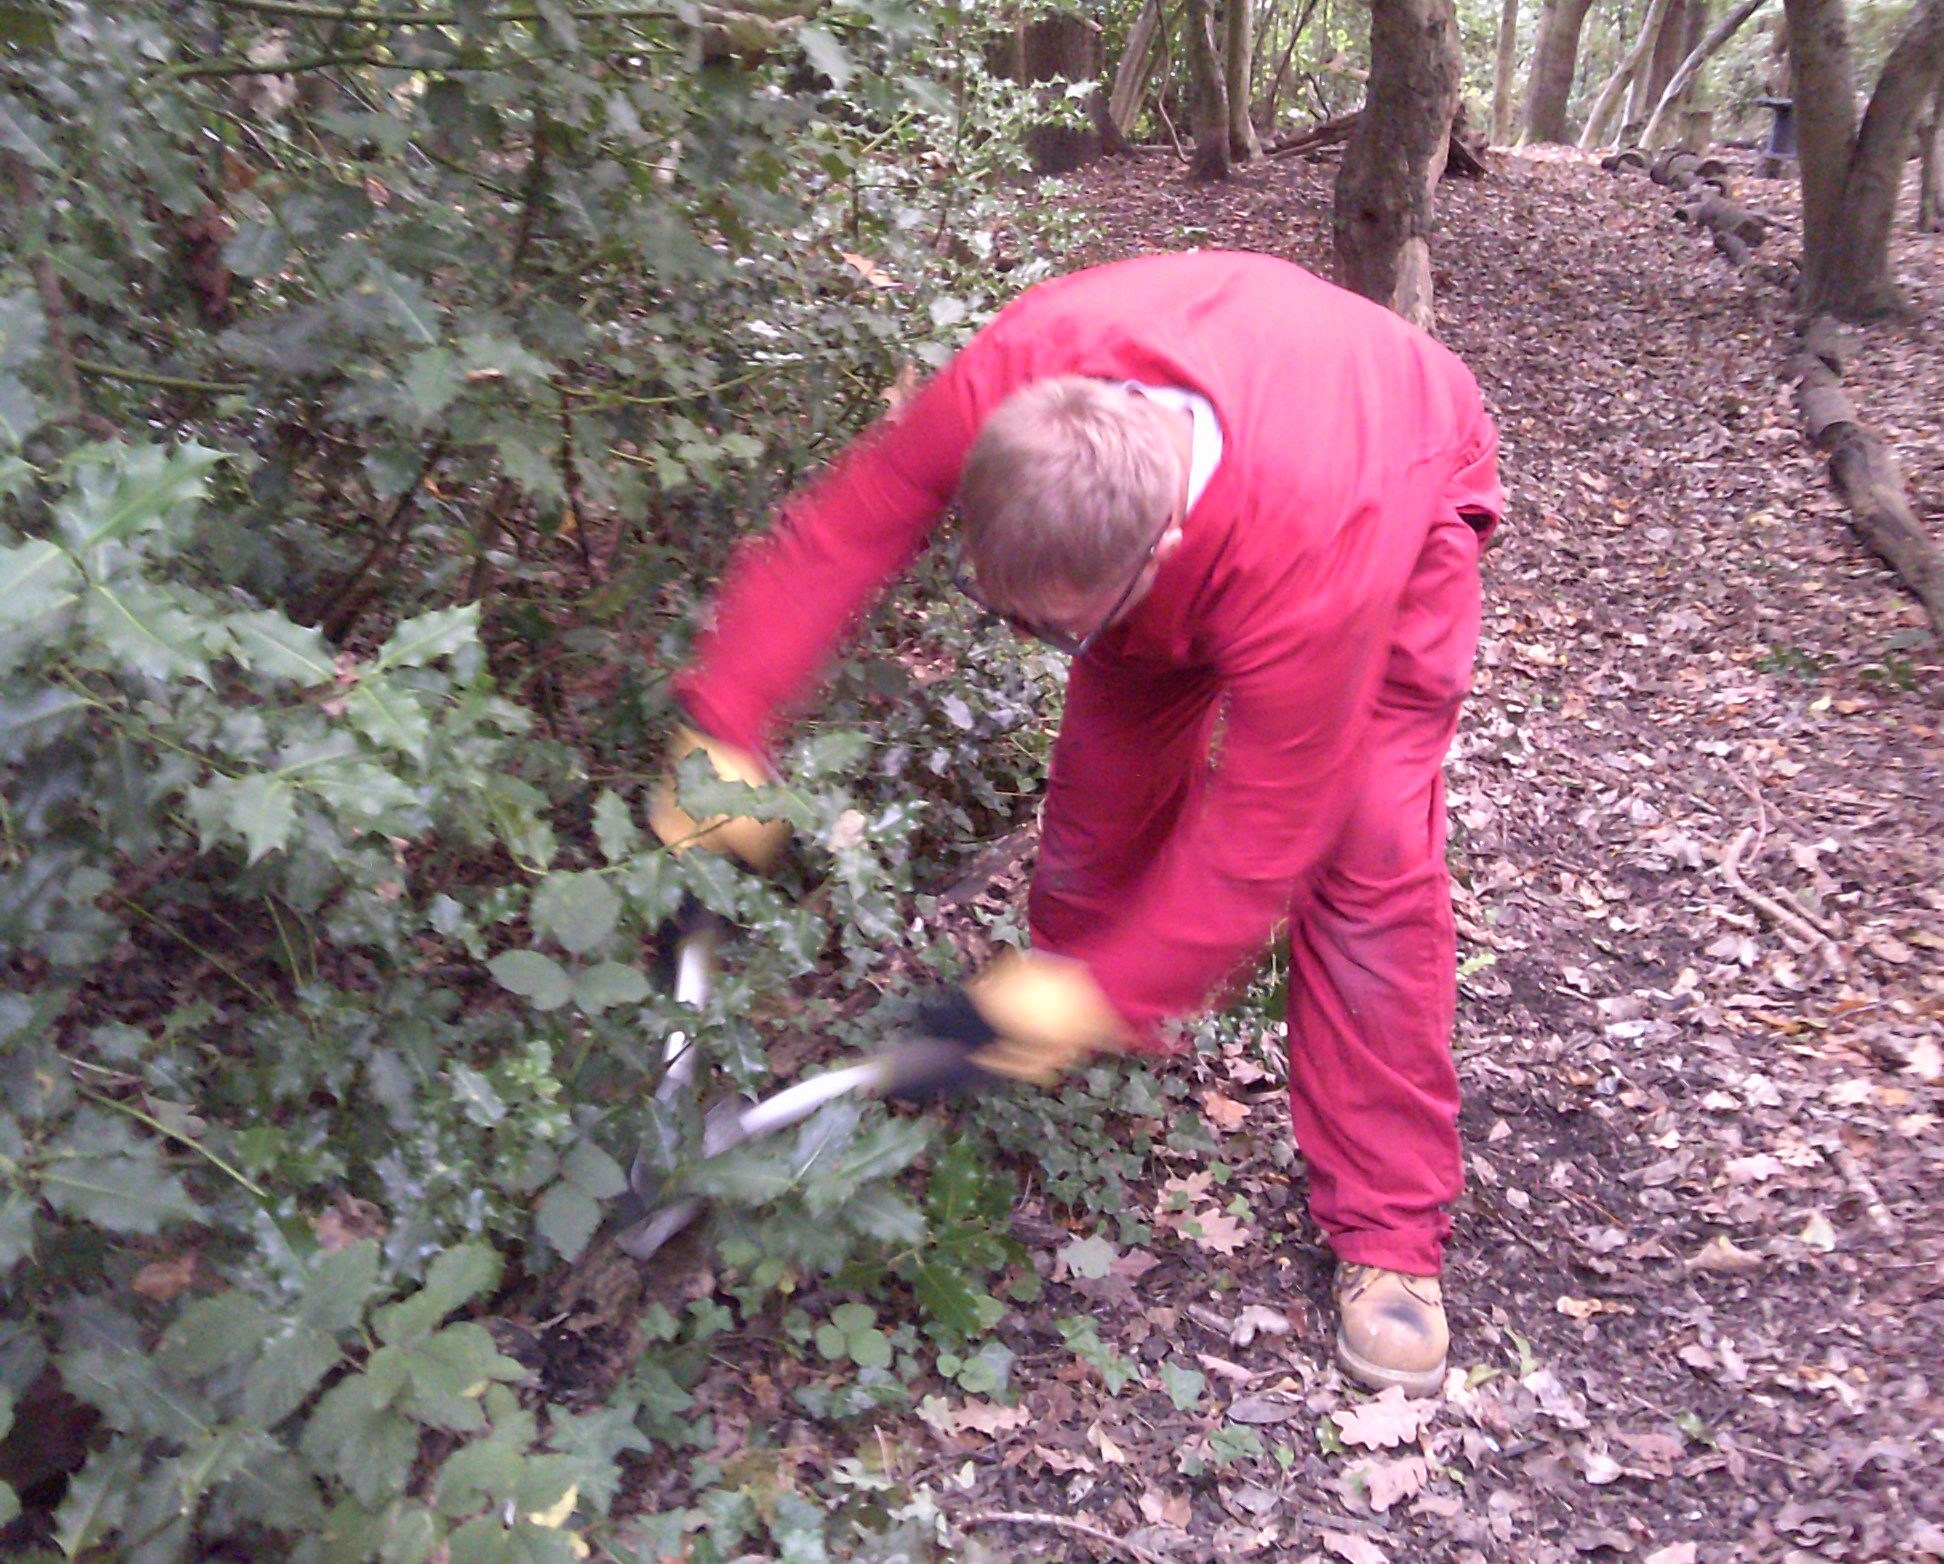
point(1067, 497)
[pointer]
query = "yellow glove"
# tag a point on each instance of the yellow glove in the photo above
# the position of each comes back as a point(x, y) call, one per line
point(756, 842)
point(1026, 1018)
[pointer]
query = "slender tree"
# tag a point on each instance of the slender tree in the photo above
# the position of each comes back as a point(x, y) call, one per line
point(1243, 141)
point(1386, 189)
point(1636, 56)
point(1208, 95)
point(1555, 51)
point(1851, 172)
point(1136, 66)
point(1683, 78)
point(1930, 179)
point(1503, 65)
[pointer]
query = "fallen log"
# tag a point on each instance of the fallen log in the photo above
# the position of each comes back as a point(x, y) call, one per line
point(1864, 471)
point(1465, 153)
point(1736, 231)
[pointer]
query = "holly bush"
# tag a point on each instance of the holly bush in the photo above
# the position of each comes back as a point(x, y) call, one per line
point(378, 385)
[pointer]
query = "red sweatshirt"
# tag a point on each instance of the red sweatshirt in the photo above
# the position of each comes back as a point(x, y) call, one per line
point(1345, 431)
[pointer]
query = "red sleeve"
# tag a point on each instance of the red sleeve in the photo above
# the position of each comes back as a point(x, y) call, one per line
point(1208, 904)
point(792, 595)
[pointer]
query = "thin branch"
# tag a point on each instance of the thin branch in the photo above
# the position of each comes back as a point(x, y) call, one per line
point(1061, 1523)
point(145, 377)
point(1788, 921)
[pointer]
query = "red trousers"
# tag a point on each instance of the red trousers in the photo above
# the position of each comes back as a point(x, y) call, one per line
point(1373, 953)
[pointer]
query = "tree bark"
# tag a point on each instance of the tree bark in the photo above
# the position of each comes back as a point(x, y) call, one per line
point(1690, 68)
point(1243, 142)
point(1503, 65)
point(1930, 168)
point(1063, 46)
point(1386, 189)
point(1851, 172)
point(1136, 65)
point(1207, 98)
point(1609, 98)
point(1555, 51)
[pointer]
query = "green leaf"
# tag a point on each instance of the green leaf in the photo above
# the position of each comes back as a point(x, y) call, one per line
point(567, 1218)
point(448, 1374)
point(476, 1096)
point(24, 132)
point(1183, 1385)
point(1090, 1258)
point(97, 1498)
point(21, 412)
point(37, 579)
point(389, 715)
point(137, 491)
point(339, 1286)
point(947, 1294)
point(213, 1333)
point(416, 642)
point(432, 378)
point(486, 1540)
point(579, 910)
point(540, 979)
point(16, 1231)
point(593, 1171)
point(269, 644)
point(607, 984)
point(262, 810)
point(362, 1441)
point(614, 827)
point(459, 1275)
point(290, 1368)
point(146, 630)
point(826, 54)
point(126, 1189)
point(405, 302)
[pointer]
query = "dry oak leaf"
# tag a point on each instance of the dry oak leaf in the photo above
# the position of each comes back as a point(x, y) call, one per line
point(1386, 1482)
point(1215, 1230)
point(1224, 1112)
point(1673, 1553)
point(986, 1417)
point(1166, 1509)
point(1389, 1420)
point(1720, 1254)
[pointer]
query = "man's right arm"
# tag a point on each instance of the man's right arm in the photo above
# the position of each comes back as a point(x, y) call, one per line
point(791, 596)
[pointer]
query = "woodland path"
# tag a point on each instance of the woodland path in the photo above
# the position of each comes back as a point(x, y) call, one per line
point(1703, 1240)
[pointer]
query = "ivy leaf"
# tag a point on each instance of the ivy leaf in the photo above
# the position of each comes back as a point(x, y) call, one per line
point(1183, 1385)
point(269, 644)
point(416, 642)
point(578, 910)
point(540, 979)
point(1090, 1258)
point(602, 987)
point(567, 1219)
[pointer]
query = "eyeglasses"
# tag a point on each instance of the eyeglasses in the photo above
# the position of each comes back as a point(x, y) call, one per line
point(1061, 640)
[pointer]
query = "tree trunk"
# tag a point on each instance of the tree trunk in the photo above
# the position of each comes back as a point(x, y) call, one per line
point(1243, 144)
point(1671, 45)
point(1609, 98)
point(1282, 67)
point(1699, 56)
point(1555, 51)
point(1386, 189)
point(1930, 168)
point(1063, 46)
point(1851, 173)
point(1207, 99)
point(1136, 65)
point(1502, 68)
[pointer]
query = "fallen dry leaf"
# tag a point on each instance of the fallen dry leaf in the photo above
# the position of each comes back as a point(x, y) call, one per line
point(166, 1279)
point(1223, 1112)
point(1166, 1509)
point(1720, 1254)
point(1673, 1553)
point(1356, 1549)
point(1099, 1438)
point(1391, 1419)
point(1386, 1482)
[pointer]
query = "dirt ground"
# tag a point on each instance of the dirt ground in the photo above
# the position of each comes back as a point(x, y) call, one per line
point(1697, 1280)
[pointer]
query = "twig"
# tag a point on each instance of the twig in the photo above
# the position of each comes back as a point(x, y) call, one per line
point(1881, 1217)
point(1060, 1523)
point(1815, 938)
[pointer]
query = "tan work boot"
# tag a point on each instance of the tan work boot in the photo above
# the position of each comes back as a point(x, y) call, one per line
point(1392, 1329)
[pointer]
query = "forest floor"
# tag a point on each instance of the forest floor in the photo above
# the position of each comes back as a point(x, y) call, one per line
point(1697, 1279)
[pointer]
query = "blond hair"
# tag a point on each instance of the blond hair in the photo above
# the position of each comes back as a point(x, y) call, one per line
point(1067, 482)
